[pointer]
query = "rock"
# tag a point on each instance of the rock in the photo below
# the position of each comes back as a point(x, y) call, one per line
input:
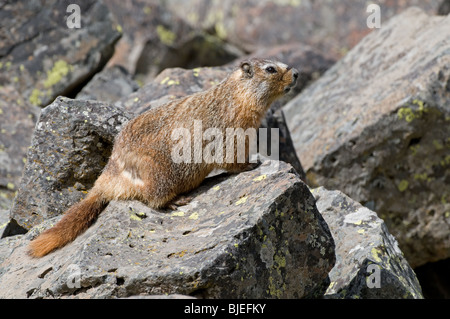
point(4, 220)
point(243, 236)
point(155, 39)
point(333, 26)
point(17, 120)
point(7, 246)
point(175, 83)
point(43, 57)
point(444, 8)
point(369, 263)
point(71, 144)
point(109, 85)
point(376, 127)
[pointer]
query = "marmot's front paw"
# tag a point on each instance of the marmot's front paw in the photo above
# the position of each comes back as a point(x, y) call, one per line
point(180, 200)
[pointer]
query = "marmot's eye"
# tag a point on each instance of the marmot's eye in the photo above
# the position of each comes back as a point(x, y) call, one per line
point(271, 69)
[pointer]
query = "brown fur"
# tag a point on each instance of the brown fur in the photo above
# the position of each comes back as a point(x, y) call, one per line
point(141, 167)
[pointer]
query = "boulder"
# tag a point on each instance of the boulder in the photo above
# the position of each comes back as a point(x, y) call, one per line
point(248, 235)
point(71, 144)
point(369, 263)
point(376, 126)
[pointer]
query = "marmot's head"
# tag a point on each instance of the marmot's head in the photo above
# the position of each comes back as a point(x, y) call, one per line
point(267, 79)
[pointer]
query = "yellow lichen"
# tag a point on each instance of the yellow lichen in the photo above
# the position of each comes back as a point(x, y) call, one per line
point(260, 178)
point(194, 216)
point(165, 35)
point(220, 30)
point(403, 185)
point(406, 113)
point(165, 80)
point(35, 97)
point(242, 200)
point(178, 214)
point(173, 82)
point(60, 69)
point(196, 72)
point(376, 254)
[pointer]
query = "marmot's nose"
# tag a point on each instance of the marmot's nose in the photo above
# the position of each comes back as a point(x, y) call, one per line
point(295, 73)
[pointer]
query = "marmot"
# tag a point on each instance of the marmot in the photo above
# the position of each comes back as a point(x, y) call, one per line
point(141, 166)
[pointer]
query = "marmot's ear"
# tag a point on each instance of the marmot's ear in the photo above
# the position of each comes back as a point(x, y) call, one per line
point(247, 68)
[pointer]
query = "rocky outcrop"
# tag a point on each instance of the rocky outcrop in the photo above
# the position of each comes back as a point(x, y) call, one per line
point(369, 263)
point(264, 239)
point(376, 126)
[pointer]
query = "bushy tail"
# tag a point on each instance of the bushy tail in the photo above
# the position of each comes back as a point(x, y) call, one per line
point(75, 221)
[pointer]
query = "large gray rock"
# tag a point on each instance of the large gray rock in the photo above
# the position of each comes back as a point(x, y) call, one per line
point(376, 126)
point(250, 235)
point(71, 144)
point(369, 263)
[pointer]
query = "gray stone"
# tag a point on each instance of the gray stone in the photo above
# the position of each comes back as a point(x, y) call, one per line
point(256, 234)
point(71, 144)
point(109, 85)
point(376, 127)
point(369, 263)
